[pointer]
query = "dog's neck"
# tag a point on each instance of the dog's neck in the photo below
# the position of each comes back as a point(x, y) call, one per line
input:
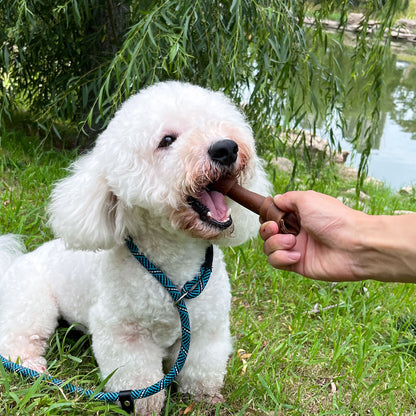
point(171, 251)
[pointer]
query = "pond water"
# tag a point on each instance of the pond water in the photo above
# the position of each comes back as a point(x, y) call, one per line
point(332, 102)
point(393, 154)
point(394, 161)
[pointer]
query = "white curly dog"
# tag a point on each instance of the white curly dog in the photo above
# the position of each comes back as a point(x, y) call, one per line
point(148, 178)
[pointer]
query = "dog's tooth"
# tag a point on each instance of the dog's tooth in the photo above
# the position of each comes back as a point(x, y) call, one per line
point(209, 214)
point(228, 213)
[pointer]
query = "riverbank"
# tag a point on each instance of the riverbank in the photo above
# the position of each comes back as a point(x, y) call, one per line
point(404, 30)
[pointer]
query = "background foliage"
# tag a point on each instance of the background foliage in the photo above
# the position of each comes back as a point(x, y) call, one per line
point(75, 61)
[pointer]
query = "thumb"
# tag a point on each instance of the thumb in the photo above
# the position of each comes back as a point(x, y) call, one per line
point(288, 202)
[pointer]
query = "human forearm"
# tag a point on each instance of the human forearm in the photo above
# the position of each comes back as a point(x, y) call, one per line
point(387, 249)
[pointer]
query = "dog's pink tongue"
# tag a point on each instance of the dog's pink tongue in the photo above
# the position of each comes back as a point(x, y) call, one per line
point(215, 202)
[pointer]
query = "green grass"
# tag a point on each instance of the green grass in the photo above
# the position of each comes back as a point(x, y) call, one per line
point(356, 357)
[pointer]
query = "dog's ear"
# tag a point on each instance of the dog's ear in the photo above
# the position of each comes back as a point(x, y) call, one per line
point(82, 209)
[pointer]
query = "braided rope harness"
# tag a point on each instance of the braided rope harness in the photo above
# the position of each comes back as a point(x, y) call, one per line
point(190, 290)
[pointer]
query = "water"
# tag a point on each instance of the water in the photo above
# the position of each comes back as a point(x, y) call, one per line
point(393, 138)
point(394, 162)
point(393, 155)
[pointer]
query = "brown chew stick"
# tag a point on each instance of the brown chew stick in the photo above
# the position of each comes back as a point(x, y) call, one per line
point(264, 207)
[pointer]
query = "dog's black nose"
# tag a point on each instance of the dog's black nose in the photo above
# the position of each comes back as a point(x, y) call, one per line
point(224, 152)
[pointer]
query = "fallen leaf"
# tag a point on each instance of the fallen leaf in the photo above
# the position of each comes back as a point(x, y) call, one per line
point(189, 409)
point(244, 356)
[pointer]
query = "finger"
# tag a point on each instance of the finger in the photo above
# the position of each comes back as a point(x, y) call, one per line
point(279, 242)
point(285, 201)
point(267, 229)
point(289, 201)
point(284, 259)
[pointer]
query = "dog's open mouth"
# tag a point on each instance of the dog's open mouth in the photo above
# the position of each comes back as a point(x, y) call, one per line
point(212, 209)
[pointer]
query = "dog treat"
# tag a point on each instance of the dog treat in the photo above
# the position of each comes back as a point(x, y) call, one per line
point(263, 206)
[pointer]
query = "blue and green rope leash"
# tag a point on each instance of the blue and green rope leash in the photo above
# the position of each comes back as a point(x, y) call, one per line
point(190, 290)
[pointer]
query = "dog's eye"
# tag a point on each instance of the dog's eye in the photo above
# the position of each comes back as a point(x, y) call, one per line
point(167, 141)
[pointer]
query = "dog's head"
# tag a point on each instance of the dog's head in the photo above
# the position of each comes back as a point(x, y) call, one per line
point(154, 164)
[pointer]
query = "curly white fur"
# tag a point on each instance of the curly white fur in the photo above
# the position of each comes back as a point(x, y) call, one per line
point(130, 185)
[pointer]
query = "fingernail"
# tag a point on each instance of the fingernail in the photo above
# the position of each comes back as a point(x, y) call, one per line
point(294, 256)
point(287, 240)
point(276, 197)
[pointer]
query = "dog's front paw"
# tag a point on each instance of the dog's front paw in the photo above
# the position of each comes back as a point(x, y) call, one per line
point(150, 406)
point(37, 364)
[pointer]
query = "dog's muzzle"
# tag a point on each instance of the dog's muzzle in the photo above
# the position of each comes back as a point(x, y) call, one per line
point(210, 204)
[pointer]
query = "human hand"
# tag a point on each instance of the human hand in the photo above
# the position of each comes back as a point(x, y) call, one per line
point(326, 245)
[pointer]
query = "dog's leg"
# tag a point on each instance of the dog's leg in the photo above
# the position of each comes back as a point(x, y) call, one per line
point(206, 365)
point(133, 357)
point(28, 317)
